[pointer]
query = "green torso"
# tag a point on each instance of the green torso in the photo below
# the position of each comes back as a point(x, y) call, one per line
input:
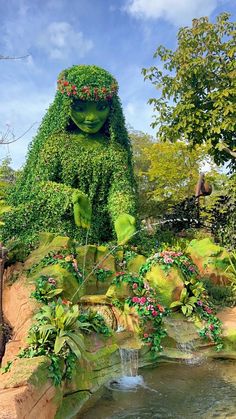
point(68, 162)
point(85, 163)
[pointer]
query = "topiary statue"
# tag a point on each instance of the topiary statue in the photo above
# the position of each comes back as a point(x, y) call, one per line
point(78, 172)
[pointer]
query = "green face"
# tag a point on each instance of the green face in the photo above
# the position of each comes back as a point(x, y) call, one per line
point(89, 116)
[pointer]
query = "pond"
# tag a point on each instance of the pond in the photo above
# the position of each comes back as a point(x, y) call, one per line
point(172, 390)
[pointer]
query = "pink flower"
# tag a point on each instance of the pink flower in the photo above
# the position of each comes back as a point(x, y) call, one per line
point(135, 299)
point(211, 327)
point(154, 313)
point(150, 307)
point(51, 281)
point(145, 335)
point(142, 300)
point(135, 286)
point(208, 310)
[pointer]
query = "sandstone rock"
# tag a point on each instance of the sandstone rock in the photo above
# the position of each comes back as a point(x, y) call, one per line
point(211, 260)
point(25, 391)
point(228, 318)
point(18, 310)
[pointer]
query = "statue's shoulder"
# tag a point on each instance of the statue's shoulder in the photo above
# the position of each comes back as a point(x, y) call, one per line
point(56, 140)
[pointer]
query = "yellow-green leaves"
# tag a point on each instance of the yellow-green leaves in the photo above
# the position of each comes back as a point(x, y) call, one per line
point(197, 87)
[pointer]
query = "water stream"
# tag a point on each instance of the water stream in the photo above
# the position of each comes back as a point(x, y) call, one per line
point(129, 379)
point(181, 391)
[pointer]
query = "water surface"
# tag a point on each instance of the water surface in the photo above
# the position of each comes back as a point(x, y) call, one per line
point(176, 391)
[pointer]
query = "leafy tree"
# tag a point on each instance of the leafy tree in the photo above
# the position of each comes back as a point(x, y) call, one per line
point(198, 87)
point(142, 142)
point(166, 173)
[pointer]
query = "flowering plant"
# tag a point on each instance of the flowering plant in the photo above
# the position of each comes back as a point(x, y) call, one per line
point(65, 260)
point(212, 329)
point(169, 258)
point(45, 289)
point(145, 301)
point(87, 92)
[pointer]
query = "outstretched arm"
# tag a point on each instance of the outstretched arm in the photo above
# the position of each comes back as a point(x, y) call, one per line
point(121, 201)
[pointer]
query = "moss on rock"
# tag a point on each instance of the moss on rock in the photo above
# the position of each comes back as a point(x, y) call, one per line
point(211, 259)
point(168, 284)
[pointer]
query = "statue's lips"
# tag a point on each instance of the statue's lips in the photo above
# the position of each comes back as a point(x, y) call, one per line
point(91, 124)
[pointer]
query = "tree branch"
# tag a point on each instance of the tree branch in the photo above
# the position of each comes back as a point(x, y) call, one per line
point(4, 139)
point(2, 57)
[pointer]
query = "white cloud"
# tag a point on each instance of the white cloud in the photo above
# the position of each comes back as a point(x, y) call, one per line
point(177, 12)
point(60, 39)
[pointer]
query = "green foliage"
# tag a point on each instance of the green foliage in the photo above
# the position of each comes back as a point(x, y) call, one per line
point(220, 295)
point(45, 289)
point(7, 178)
point(166, 173)
point(7, 368)
point(197, 86)
point(219, 213)
point(186, 303)
point(62, 160)
point(94, 323)
point(102, 274)
point(57, 334)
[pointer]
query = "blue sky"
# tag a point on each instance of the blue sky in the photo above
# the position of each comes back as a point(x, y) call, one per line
point(119, 35)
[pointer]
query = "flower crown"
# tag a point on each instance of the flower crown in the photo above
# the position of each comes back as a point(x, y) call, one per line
point(86, 92)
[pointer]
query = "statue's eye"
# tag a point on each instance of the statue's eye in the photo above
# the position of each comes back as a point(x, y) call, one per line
point(78, 107)
point(102, 106)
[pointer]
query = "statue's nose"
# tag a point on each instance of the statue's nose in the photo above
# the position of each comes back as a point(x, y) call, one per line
point(91, 116)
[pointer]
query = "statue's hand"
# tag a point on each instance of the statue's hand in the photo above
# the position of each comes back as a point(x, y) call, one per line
point(82, 209)
point(125, 228)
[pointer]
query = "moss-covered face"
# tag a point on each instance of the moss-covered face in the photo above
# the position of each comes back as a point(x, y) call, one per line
point(89, 116)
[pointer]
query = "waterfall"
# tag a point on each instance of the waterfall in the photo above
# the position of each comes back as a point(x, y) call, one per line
point(129, 362)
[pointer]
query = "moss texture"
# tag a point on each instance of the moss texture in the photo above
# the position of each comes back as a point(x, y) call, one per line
point(211, 259)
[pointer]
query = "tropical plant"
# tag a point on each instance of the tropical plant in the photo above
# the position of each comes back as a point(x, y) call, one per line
point(186, 302)
point(57, 334)
point(45, 289)
point(94, 323)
